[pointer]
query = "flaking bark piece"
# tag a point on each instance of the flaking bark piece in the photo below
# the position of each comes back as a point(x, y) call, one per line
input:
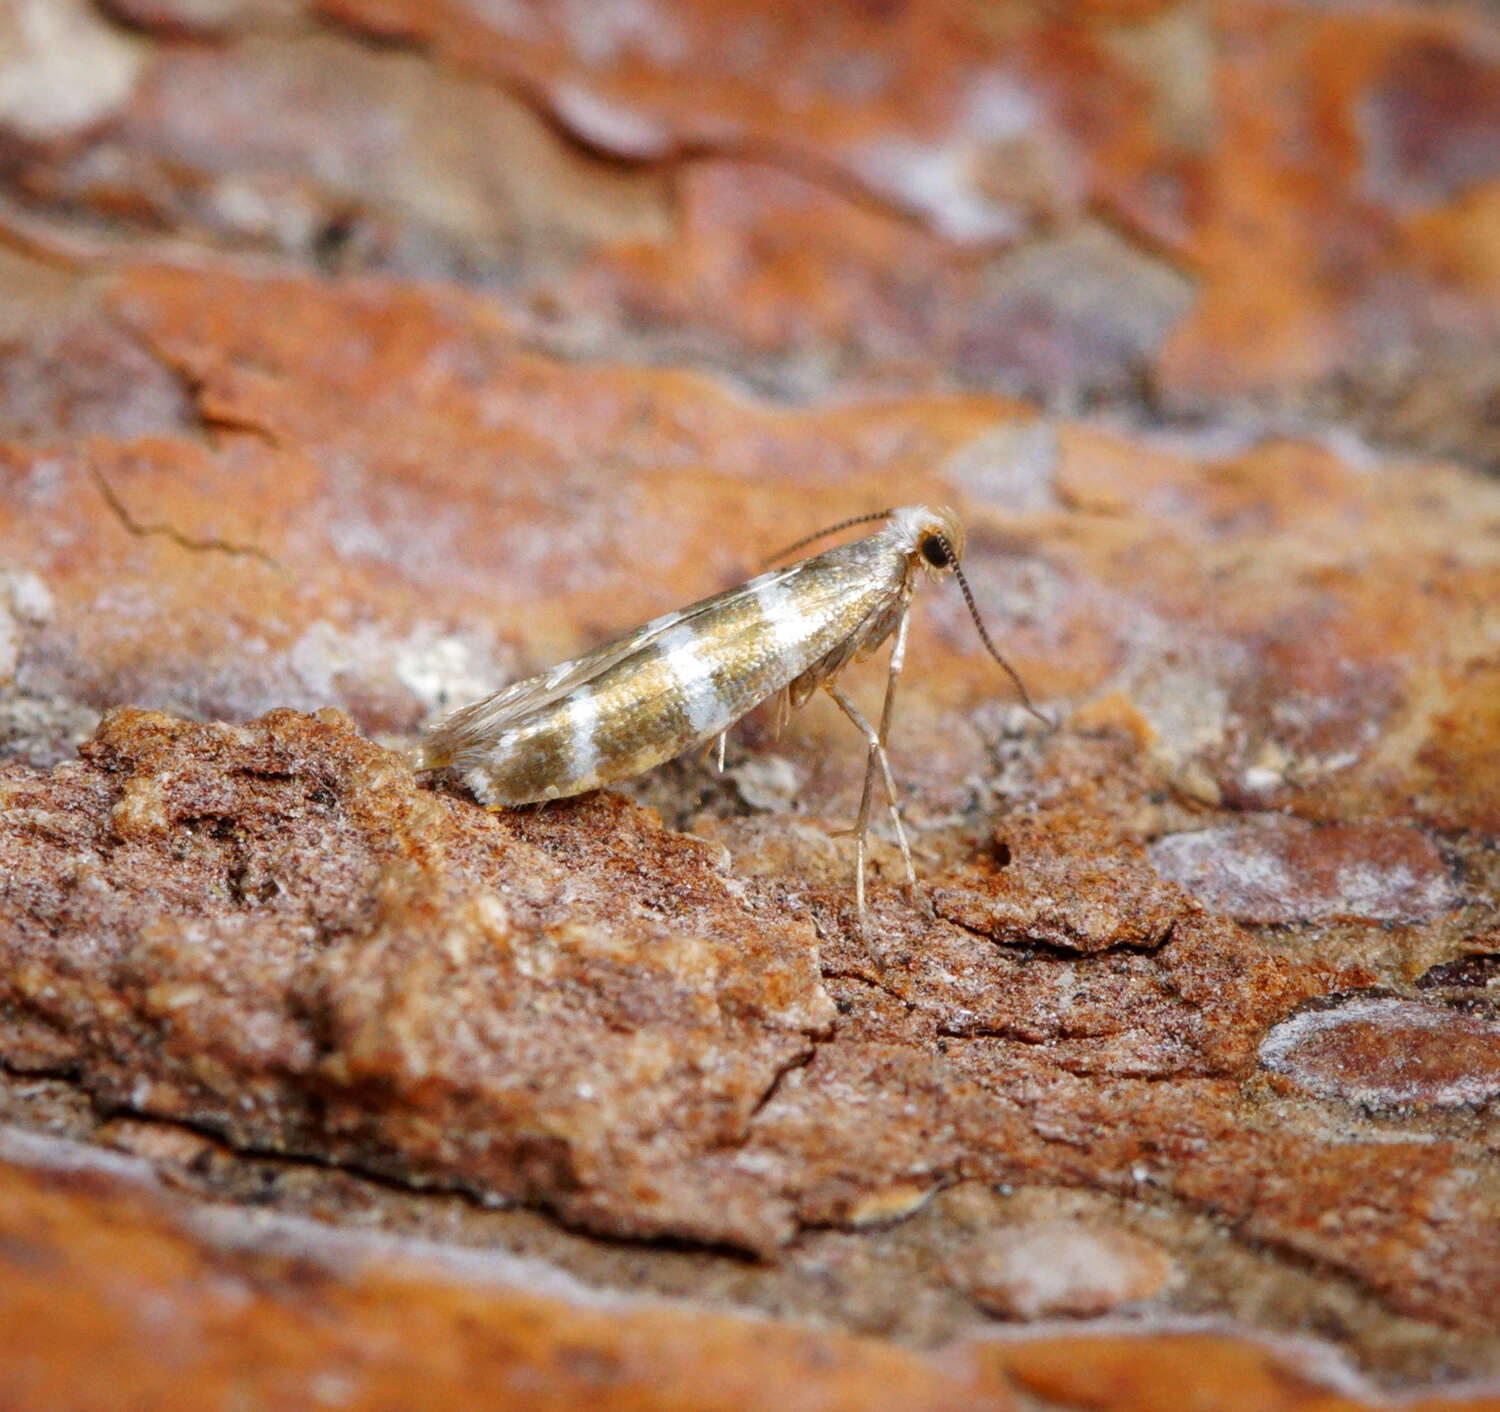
point(269, 930)
point(1058, 880)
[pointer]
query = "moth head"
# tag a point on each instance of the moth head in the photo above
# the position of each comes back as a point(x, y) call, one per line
point(933, 538)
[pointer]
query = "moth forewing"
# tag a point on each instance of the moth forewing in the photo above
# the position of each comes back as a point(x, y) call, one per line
point(684, 679)
point(475, 727)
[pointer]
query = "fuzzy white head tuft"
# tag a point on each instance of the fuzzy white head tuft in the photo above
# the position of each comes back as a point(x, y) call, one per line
point(911, 525)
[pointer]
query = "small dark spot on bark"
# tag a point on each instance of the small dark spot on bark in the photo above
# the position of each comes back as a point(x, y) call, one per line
point(334, 238)
point(1465, 971)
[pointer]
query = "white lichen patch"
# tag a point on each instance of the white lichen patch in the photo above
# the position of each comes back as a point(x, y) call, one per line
point(942, 183)
point(1388, 1053)
point(1275, 869)
point(24, 602)
point(61, 67)
point(949, 178)
point(609, 125)
point(767, 782)
point(1061, 1268)
point(1013, 464)
point(440, 669)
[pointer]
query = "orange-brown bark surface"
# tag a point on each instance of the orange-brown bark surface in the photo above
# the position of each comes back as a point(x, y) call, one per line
point(358, 357)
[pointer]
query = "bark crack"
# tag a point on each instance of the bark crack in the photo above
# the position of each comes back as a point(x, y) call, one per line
point(147, 529)
point(798, 1061)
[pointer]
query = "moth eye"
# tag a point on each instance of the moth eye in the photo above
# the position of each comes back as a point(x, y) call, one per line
point(935, 551)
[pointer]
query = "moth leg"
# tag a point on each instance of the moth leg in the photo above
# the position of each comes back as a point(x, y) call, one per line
point(876, 757)
point(862, 819)
point(887, 711)
point(714, 750)
point(782, 713)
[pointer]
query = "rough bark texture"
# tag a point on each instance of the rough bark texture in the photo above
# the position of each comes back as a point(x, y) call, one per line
point(357, 357)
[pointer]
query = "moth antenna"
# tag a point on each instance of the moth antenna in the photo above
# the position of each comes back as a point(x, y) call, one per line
point(994, 651)
point(831, 529)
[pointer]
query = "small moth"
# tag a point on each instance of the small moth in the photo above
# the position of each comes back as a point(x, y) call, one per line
point(684, 679)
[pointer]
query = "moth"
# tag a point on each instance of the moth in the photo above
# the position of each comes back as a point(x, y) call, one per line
point(685, 678)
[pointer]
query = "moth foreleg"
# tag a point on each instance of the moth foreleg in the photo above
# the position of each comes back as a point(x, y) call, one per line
point(887, 711)
point(898, 661)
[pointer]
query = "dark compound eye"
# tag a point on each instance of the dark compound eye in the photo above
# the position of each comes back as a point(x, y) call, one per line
point(935, 551)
